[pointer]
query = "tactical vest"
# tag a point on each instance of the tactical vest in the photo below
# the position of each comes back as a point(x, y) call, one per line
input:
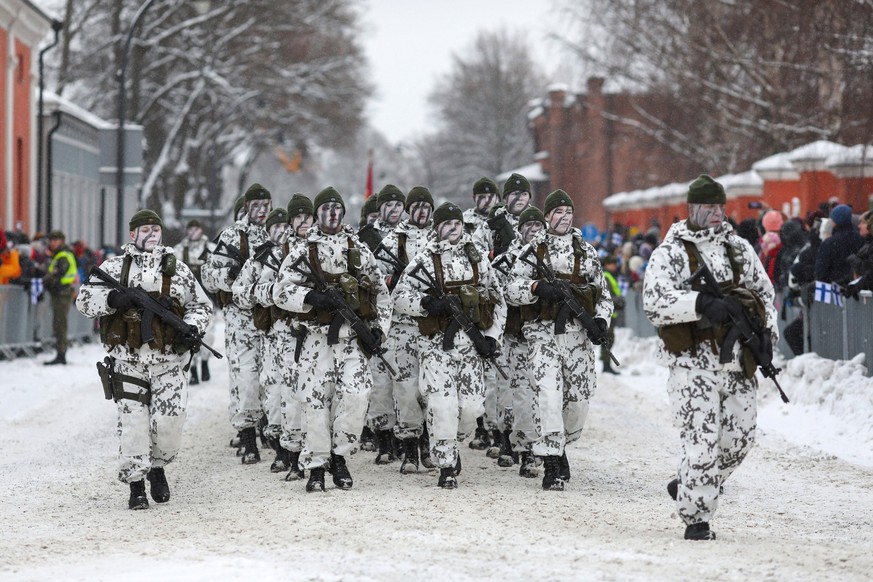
point(586, 293)
point(225, 298)
point(265, 317)
point(125, 328)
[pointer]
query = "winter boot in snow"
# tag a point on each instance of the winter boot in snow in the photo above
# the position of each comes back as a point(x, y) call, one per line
point(410, 456)
point(447, 478)
point(61, 358)
point(158, 485)
point(607, 367)
point(458, 465)
point(507, 456)
point(383, 441)
point(194, 378)
point(316, 480)
point(424, 449)
point(295, 471)
point(480, 440)
point(261, 426)
point(552, 480)
point(565, 467)
point(235, 441)
point(340, 471)
point(249, 442)
point(699, 531)
point(496, 443)
point(528, 465)
point(204, 371)
point(281, 462)
point(673, 488)
point(138, 499)
point(368, 442)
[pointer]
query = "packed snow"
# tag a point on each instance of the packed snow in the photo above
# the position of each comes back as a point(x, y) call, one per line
point(800, 507)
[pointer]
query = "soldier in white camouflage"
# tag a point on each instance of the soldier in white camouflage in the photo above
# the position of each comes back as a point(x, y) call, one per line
point(395, 252)
point(391, 206)
point(150, 379)
point(498, 231)
point(452, 269)
point(261, 268)
point(713, 399)
point(561, 350)
point(243, 341)
point(331, 272)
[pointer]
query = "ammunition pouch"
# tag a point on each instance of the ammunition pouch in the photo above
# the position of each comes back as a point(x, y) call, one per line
point(113, 384)
point(262, 318)
point(513, 320)
point(126, 328)
point(586, 294)
point(223, 298)
point(478, 305)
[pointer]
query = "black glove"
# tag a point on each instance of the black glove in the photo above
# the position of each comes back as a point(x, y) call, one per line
point(602, 332)
point(715, 309)
point(548, 292)
point(765, 347)
point(119, 300)
point(190, 339)
point(378, 338)
point(435, 305)
point(318, 300)
point(488, 348)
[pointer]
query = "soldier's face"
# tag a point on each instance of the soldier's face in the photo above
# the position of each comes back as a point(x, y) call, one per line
point(419, 213)
point(529, 230)
point(560, 220)
point(54, 244)
point(391, 212)
point(276, 231)
point(194, 233)
point(706, 215)
point(147, 237)
point(517, 201)
point(258, 211)
point(330, 217)
point(451, 231)
point(484, 201)
point(372, 217)
point(301, 224)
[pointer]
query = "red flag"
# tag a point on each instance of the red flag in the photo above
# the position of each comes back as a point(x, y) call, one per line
point(368, 191)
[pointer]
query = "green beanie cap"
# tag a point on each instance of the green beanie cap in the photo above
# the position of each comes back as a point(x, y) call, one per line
point(485, 186)
point(276, 216)
point(705, 190)
point(257, 192)
point(516, 183)
point(299, 204)
point(447, 211)
point(555, 199)
point(143, 217)
point(193, 222)
point(371, 204)
point(237, 206)
point(57, 235)
point(391, 192)
point(529, 214)
point(329, 194)
point(418, 194)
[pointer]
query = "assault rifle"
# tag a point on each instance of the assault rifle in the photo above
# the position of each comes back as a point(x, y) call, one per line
point(460, 320)
point(232, 253)
point(395, 261)
point(745, 327)
point(569, 305)
point(152, 308)
point(343, 313)
point(264, 255)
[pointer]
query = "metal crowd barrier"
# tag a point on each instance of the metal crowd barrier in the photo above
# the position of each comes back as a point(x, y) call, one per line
point(26, 328)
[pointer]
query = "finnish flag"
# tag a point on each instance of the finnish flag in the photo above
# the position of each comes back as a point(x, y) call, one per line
point(828, 293)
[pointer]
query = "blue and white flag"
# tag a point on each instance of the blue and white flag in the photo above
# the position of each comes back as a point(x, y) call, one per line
point(623, 285)
point(828, 293)
point(35, 290)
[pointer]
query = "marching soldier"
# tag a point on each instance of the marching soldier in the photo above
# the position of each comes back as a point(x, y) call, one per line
point(561, 350)
point(500, 229)
point(391, 204)
point(713, 398)
point(243, 341)
point(485, 194)
point(149, 380)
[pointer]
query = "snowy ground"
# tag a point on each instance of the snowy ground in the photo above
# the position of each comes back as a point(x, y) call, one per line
point(800, 508)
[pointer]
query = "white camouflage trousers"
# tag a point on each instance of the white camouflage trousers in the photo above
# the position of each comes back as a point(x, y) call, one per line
point(380, 414)
point(150, 436)
point(335, 383)
point(498, 394)
point(244, 349)
point(271, 379)
point(524, 405)
point(403, 348)
point(563, 376)
point(455, 392)
point(291, 404)
point(716, 414)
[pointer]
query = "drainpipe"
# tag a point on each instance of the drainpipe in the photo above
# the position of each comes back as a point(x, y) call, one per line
point(57, 26)
point(49, 172)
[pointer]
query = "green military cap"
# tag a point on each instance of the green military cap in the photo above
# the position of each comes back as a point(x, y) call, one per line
point(555, 199)
point(276, 216)
point(391, 192)
point(299, 204)
point(485, 186)
point(705, 190)
point(529, 214)
point(516, 183)
point(371, 204)
point(237, 206)
point(257, 192)
point(418, 194)
point(329, 194)
point(193, 222)
point(57, 235)
point(143, 217)
point(447, 211)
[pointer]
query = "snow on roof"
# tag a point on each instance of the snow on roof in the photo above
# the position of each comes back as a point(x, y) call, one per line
point(541, 155)
point(860, 154)
point(533, 172)
point(776, 167)
point(743, 184)
point(558, 87)
point(54, 102)
point(535, 112)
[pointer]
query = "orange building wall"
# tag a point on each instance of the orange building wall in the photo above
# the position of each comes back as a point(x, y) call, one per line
point(4, 42)
point(21, 130)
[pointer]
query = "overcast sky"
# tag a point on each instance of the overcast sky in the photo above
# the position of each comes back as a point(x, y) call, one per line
point(410, 42)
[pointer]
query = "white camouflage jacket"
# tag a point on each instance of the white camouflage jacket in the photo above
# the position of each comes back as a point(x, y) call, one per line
point(668, 298)
point(416, 240)
point(190, 251)
point(216, 272)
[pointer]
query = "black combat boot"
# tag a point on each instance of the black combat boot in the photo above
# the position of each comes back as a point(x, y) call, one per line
point(552, 480)
point(249, 443)
point(458, 465)
point(424, 449)
point(447, 478)
point(507, 457)
point(368, 442)
point(607, 367)
point(194, 379)
point(138, 499)
point(281, 462)
point(340, 471)
point(528, 466)
point(410, 456)
point(158, 485)
point(204, 371)
point(699, 531)
point(480, 440)
point(235, 441)
point(295, 471)
point(61, 358)
point(383, 442)
point(316, 480)
point(262, 424)
point(673, 488)
point(565, 467)
point(496, 443)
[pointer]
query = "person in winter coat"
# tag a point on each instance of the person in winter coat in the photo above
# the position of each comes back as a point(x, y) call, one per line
point(497, 233)
point(485, 195)
point(150, 385)
point(451, 268)
point(561, 360)
point(793, 237)
point(713, 404)
point(831, 261)
point(10, 263)
point(61, 275)
point(771, 243)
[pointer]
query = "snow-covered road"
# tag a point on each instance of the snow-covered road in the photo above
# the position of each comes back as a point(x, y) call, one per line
point(790, 512)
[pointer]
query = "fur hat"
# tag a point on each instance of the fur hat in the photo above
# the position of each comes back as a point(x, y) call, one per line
point(143, 217)
point(705, 190)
